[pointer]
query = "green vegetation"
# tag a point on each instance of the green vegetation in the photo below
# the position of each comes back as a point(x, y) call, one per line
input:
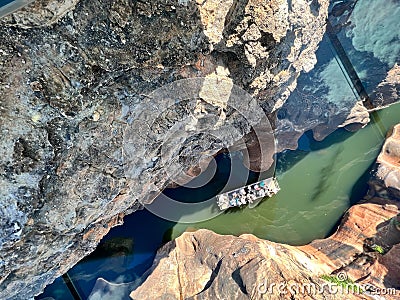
point(346, 283)
point(378, 249)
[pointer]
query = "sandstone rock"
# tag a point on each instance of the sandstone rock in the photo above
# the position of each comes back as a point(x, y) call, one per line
point(386, 182)
point(364, 249)
point(205, 265)
point(73, 75)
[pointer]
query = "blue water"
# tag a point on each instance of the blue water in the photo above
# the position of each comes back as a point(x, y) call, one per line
point(5, 2)
point(148, 232)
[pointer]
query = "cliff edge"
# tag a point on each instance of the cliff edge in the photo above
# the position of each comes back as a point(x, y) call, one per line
point(74, 74)
point(365, 250)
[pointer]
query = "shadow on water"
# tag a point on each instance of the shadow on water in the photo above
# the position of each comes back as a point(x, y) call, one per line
point(358, 192)
point(167, 236)
point(325, 175)
point(124, 254)
point(289, 158)
point(336, 137)
point(233, 210)
point(127, 251)
point(360, 188)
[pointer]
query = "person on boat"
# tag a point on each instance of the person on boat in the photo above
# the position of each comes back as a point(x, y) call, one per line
point(249, 199)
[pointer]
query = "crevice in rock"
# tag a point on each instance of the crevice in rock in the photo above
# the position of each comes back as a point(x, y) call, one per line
point(214, 275)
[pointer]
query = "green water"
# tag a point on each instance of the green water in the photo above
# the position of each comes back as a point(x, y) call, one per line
point(315, 190)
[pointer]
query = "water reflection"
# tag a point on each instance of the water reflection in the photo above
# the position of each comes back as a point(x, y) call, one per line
point(368, 31)
point(360, 53)
point(319, 181)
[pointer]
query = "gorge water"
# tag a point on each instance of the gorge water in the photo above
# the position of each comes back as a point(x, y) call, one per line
point(319, 181)
point(317, 186)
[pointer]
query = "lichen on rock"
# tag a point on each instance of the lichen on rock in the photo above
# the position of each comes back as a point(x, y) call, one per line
point(73, 74)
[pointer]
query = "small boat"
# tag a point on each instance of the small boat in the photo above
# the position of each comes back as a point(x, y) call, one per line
point(251, 194)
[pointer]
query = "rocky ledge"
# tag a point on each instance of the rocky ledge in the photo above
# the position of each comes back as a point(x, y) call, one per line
point(206, 265)
point(74, 74)
point(386, 183)
point(364, 250)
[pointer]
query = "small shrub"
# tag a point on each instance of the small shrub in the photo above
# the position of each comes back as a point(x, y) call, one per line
point(347, 283)
point(378, 249)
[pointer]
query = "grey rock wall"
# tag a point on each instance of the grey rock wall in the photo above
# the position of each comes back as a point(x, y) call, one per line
point(73, 75)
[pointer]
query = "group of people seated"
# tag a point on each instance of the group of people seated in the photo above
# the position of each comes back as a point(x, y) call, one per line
point(244, 196)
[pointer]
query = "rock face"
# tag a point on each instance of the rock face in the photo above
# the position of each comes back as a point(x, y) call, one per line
point(364, 249)
point(330, 95)
point(386, 182)
point(389, 89)
point(205, 265)
point(73, 74)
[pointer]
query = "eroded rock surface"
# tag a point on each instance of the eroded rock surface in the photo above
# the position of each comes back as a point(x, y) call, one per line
point(364, 249)
point(386, 182)
point(205, 265)
point(389, 89)
point(72, 75)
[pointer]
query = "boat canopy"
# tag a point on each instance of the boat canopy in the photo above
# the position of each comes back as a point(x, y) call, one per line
point(248, 194)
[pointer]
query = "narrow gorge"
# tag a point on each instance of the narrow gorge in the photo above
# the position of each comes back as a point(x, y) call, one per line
point(365, 249)
point(106, 105)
